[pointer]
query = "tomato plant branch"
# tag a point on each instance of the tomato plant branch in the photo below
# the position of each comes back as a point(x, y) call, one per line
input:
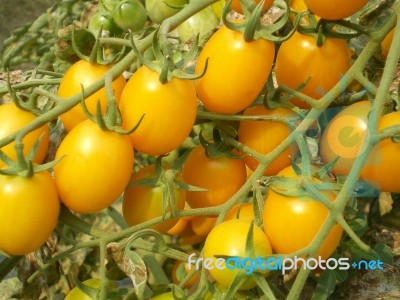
point(376, 110)
point(350, 232)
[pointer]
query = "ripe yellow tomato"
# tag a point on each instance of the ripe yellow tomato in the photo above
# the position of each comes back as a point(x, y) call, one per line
point(229, 239)
point(236, 73)
point(291, 223)
point(29, 209)
point(242, 211)
point(335, 9)
point(386, 43)
point(265, 136)
point(82, 74)
point(344, 135)
point(91, 176)
point(320, 67)
point(381, 169)
point(12, 119)
point(222, 177)
point(169, 111)
point(143, 203)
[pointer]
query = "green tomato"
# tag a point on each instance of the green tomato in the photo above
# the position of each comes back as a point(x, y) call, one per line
point(159, 10)
point(217, 8)
point(102, 19)
point(201, 23)
point(130, 14)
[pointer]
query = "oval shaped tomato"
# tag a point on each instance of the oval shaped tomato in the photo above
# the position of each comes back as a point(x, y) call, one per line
point(130, 15)
point(29, 209)
point(169, 111)
point(265, 136)
point(335, 9)
point(201, 23)
point(229, 239)
point(143, 203)
point(291, 223)
point(12, 119)
point(222, 177)
point(159, 10)
point(83, 73)
point(386, 43)
point(381, 169)
point(164, 296)
point(236, 73)
point(320, 67)
point(344, 135)
point(95, 167)
point(236, 6)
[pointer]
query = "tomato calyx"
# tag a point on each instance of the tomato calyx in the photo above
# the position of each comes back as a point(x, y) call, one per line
point(218, 148)
point(251, 26)
point(96, 53)
point(164, 63)
point(24, 166)
point(112, 119)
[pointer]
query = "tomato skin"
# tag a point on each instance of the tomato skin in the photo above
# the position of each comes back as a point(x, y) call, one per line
point(335, 9)
point(381, 169)
point(164, 296)
point(77, 294)
point(202, 225)
point(130, 15)
point(386, 43)
point(162, 105)
point(242, 211)
point(291, 223)
point(29, 209)
point(243, 66)
point(343, 136)
point(222, 177)
point(235, 5)
point(222, 241)
point(265, 136)
point(102, 19)
point(90, 176)
point(200, 23)
point(143, 203)
point(323, 66)
point(84, 73)
point(12, 119)
point(158, 10)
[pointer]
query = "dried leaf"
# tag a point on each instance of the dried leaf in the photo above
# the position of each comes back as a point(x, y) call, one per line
point(385, 203)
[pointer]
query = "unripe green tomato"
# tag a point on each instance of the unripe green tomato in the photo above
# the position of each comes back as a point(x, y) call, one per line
point(130, 14)
point(202, 23)
point(159, 10)
point(102, 19)
point(217, 8)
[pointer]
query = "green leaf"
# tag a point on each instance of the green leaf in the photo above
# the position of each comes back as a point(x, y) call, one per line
point(359, 226)
point(326, 285)
point(384, 252)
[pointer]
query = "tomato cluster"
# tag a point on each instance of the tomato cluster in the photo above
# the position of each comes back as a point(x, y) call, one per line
point(223, 196)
